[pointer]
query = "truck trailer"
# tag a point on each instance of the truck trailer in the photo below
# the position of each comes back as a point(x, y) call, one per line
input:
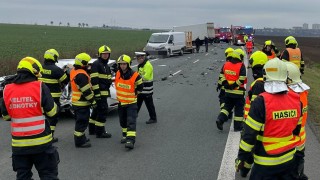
point(198, 30)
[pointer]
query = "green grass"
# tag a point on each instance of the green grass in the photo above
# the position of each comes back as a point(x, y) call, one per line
point(18, 41)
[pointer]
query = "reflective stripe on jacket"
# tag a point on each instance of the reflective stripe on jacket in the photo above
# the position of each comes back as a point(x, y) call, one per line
point(23, 102)
point(295, 56)
point(280, 122)
point(146, 72)
point(248, 100)
point(126, 89)
point(77, 95)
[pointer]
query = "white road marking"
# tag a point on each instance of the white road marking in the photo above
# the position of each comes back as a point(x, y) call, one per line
point(196, 61)
point(176, 73)
point(227, 169)
point(162, 65)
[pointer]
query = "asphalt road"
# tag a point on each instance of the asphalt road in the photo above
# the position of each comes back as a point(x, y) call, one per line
point(184, 144)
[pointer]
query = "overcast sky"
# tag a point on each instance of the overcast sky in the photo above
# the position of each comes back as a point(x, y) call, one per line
point(162, 13)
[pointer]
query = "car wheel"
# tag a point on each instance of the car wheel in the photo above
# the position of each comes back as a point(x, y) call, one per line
point(181, 52)
point(168, 53)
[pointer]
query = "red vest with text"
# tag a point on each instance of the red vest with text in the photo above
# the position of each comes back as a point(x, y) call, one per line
point(232, 72)
point(283, 112)
point(23, 103)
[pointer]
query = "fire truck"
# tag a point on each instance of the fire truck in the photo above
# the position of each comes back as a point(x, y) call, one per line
point(238, 32)
point(223, 34)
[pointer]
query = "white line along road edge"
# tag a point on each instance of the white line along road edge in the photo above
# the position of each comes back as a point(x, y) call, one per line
point(227, 169)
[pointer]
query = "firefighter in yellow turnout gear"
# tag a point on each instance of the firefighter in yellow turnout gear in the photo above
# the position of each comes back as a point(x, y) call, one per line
point(128, 85)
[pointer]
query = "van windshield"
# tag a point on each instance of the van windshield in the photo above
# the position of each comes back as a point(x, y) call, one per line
point(158, 38)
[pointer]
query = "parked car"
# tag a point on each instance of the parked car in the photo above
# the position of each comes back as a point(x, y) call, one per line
point(65, 99)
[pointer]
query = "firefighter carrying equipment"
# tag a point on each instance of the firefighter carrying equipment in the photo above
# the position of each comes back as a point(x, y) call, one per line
point(31, 65)
point(82, 59)
point(258, 58)
point(228, 52)
point(275, 76)
point(51, 54)
point(104, 49)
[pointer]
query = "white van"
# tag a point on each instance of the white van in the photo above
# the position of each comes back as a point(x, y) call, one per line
point(166, 43)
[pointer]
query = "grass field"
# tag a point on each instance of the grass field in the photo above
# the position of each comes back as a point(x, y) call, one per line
point(18, 41)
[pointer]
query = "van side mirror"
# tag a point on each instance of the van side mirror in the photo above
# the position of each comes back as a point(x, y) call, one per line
point(170, 41)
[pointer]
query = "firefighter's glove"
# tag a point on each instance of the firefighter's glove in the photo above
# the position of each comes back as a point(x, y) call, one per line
point(94, 105)
point(218, 88)
point(239, 165)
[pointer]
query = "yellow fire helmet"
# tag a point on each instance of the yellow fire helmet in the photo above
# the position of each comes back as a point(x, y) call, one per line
point(228, 52)
point(51, 54)
point(104, 49)
point(291, 40)
point(258, 58)
point(30, 64)
point(241, 53)
point(124, 59)
point(82, 59)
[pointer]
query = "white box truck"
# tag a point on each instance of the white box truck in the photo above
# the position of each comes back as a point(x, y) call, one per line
point(166, 44)
point(198, 30)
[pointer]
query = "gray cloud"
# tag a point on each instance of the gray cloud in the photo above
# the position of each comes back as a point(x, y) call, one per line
point(162, 14)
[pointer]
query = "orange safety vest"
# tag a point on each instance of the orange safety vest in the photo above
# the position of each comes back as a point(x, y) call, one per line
point(273, 55)
point(126, 89)
point(248, 101)
point(76, 93)
point(282, 116)
point(23, 103)
point(294, 56)
point(232, 72)
point(302, 134)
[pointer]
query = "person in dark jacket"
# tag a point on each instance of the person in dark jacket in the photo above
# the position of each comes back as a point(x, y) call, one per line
point(206, 43)
point(198, 44)
point(25, 101)
point(56, 79)
point(101, 81)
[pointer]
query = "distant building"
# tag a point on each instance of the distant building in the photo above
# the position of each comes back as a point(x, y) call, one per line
point(296, 27)
point(315, 26)
point(305, 26)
